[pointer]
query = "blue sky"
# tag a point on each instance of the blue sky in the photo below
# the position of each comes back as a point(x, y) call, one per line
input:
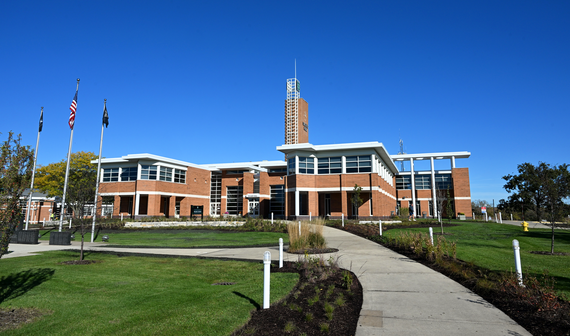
point(205, 81)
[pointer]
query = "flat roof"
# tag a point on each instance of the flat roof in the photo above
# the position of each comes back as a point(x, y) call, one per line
point(435, 156)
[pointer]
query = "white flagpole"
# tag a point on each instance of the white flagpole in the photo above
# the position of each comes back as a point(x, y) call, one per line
point(63, 209)
point(34, 171)
point(98, 174)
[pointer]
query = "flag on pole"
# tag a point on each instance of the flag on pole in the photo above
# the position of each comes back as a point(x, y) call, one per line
point(41, 120)
point(73, 108)
point(105, 116)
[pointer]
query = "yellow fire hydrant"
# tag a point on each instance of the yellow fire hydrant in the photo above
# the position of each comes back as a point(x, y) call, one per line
point(525, 226)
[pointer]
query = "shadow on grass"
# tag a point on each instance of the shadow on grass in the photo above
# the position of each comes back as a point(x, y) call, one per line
point(16, 284)
point(559, 236)
point(252, 301)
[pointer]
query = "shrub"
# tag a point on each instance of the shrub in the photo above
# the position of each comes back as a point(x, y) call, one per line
point(310, 237)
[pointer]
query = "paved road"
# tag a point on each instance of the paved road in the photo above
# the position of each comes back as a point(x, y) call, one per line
point(401, 296)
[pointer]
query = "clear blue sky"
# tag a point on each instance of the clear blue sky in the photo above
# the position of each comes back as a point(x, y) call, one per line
point(205, 81)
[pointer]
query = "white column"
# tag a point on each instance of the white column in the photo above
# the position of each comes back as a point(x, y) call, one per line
point(452, 162)
point(137, 201)
point(296, 202)
point(344, 164)
point(413, 188)
point(433, 191)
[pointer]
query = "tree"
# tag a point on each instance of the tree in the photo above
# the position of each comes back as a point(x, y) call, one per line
point(526, 187)
point(356, 199)
point(16, 165)
point(542, 188)
point(556, 187)
point(80, 185)
point(440, 200)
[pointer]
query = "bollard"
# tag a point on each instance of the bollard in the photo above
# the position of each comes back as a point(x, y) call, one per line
point(70, 223)
point(473, 216)
point(431, 235)
point(496, 221)
point(266, 265)
point(121, 217)
point(511, 216)
point(299, 228)
point(310, 216)
point(342, 220)
point(280, 252)
point(272, 218)
point(380, 227)
point(500, 218)
point(518, 267)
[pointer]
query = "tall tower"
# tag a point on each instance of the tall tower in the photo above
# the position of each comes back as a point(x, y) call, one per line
point(296, 114)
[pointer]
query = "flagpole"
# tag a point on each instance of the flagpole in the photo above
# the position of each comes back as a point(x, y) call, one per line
point(34, 171)
point(63, 209)
point(98, 174)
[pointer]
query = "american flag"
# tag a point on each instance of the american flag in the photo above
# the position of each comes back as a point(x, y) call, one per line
point(73, 108)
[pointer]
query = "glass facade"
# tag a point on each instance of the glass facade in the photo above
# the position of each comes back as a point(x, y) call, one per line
point(129, 174)
point(111, 175)
point(330, 165)
point(422, 182)
point(277, 205)
point(148, 172)
point(443, 181)
point(234, 198)
point(404, 182)
point(358, 164)
point(306, 165)
point(165, 174)
point(179, 176)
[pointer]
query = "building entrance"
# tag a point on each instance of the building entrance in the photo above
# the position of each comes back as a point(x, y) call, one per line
point(253, 207)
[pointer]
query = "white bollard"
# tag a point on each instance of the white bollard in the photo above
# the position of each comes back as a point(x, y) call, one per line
point(266, 277)
point(500, 218)
point(431, 235)
point(511, 216)
point(272, 218)
point(121, 217)
point(44, 223)
point(473, 216)
point(518, 267)
point(310, 216)
point(485, 216)
point(280, 252)
point(70, 223)
point(380, 227)
point(299, 228)
point(342, 220)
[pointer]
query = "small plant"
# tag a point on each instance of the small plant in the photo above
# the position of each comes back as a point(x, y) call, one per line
point(329, 292)
point(347, 279)
point(324, 327)
point(289, 327)
point(309, 317)
point(329, 309)
point(295, 307)
point(311, 301)
point(340, 301)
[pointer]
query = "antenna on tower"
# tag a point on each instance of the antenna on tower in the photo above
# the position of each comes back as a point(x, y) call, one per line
point(295, 68)
point(401, 151)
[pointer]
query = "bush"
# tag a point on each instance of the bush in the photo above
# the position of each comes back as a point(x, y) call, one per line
point(310, 237)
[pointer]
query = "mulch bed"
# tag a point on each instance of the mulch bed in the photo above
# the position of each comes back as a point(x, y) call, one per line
point(289, 317)
point(12, 318)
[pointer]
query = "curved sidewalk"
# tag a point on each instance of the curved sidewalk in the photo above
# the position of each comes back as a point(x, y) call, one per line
point(401, 296)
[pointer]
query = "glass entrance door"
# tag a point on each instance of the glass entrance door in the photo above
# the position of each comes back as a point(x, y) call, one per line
point(253, 207)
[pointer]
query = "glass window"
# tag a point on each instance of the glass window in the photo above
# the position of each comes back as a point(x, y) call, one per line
point(165, 174)
point(358, 164)
point(179, 176)
point(278, 170)
point(111, 175)
point(216, 187)
point(129, 174)
point(148, 172)
point(291, 166)
point(422, 182)
point(234, 204)
point(306, 165)
point(443, 181)
point(277, 203)
point(332, 165)
point(236, 172)
point(403, 182)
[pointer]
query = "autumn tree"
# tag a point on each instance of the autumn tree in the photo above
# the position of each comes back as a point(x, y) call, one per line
point(16, 165)
point(356, 200)
point(80, 185)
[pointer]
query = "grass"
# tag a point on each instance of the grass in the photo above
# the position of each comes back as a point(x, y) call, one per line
point(309, 236)
point(489, 245)
point(185, 238)
point(135, 295)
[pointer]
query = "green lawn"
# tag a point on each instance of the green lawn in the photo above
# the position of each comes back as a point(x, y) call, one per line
point(489, 245)
point(187, 238)
point(135, 295)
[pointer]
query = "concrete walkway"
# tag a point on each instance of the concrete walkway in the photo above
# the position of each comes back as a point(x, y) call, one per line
point(401, 296)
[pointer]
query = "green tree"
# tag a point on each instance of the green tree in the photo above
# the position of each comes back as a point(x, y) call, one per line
point(527, 187)
point(356, 199)
point(16, 164)
point(556, 187)
point(80, 185)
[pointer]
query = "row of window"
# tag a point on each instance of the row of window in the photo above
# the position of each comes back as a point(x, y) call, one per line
point(423, 182)
point(331, 165)
point(148, 172)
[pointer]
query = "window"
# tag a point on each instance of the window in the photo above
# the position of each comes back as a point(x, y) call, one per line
point(278, 170)
point(129, 174)
point(235, 172)
point(306, 165)
point(216, 187)
point(443, 181)
point(234, 204)
point(422, 182)
point(165, 174)
point(277, 200)
point(148, 172)
point(332, 165)
point(111, 175)
point(403, 182)
point(291, 166)
point(358, 164)
point(179, 176)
